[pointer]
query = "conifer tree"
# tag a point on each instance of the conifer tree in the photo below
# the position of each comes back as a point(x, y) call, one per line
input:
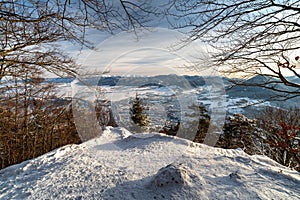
point(138, 113)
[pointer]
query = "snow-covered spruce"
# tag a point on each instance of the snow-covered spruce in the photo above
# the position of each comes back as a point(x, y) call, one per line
point(119, 165)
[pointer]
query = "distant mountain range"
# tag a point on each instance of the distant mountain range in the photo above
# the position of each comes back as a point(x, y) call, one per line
point(250, 89)
point(233, 91)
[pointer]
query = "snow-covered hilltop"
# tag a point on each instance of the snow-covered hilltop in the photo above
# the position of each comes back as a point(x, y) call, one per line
point(119, 165)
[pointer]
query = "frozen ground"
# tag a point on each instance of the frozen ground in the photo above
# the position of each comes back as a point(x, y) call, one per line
point(119, 165)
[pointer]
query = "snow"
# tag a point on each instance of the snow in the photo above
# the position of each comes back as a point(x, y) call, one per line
point(120, 165)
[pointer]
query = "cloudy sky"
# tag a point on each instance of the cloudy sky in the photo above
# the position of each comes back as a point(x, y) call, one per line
point(151, 52)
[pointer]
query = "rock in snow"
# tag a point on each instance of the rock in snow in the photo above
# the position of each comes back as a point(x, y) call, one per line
point(119, 165)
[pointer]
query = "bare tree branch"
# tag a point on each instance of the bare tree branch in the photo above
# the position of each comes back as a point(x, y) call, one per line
point(250, 37)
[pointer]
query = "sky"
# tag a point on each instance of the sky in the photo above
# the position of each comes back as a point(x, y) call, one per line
point(153, 52)
point(150, 51)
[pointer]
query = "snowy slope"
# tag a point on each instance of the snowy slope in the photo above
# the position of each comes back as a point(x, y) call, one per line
point(119, 165)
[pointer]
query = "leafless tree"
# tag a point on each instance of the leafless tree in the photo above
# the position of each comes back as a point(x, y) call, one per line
point(248, 37)
point(31, 29)
point(32, 121)
point(282, 135)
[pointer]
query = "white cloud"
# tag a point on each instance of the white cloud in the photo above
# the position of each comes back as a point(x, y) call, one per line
point(148, 52)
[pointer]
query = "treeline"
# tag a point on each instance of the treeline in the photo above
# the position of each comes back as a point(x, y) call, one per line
point(27, 134)
point(274, 132)
point(33, 120)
